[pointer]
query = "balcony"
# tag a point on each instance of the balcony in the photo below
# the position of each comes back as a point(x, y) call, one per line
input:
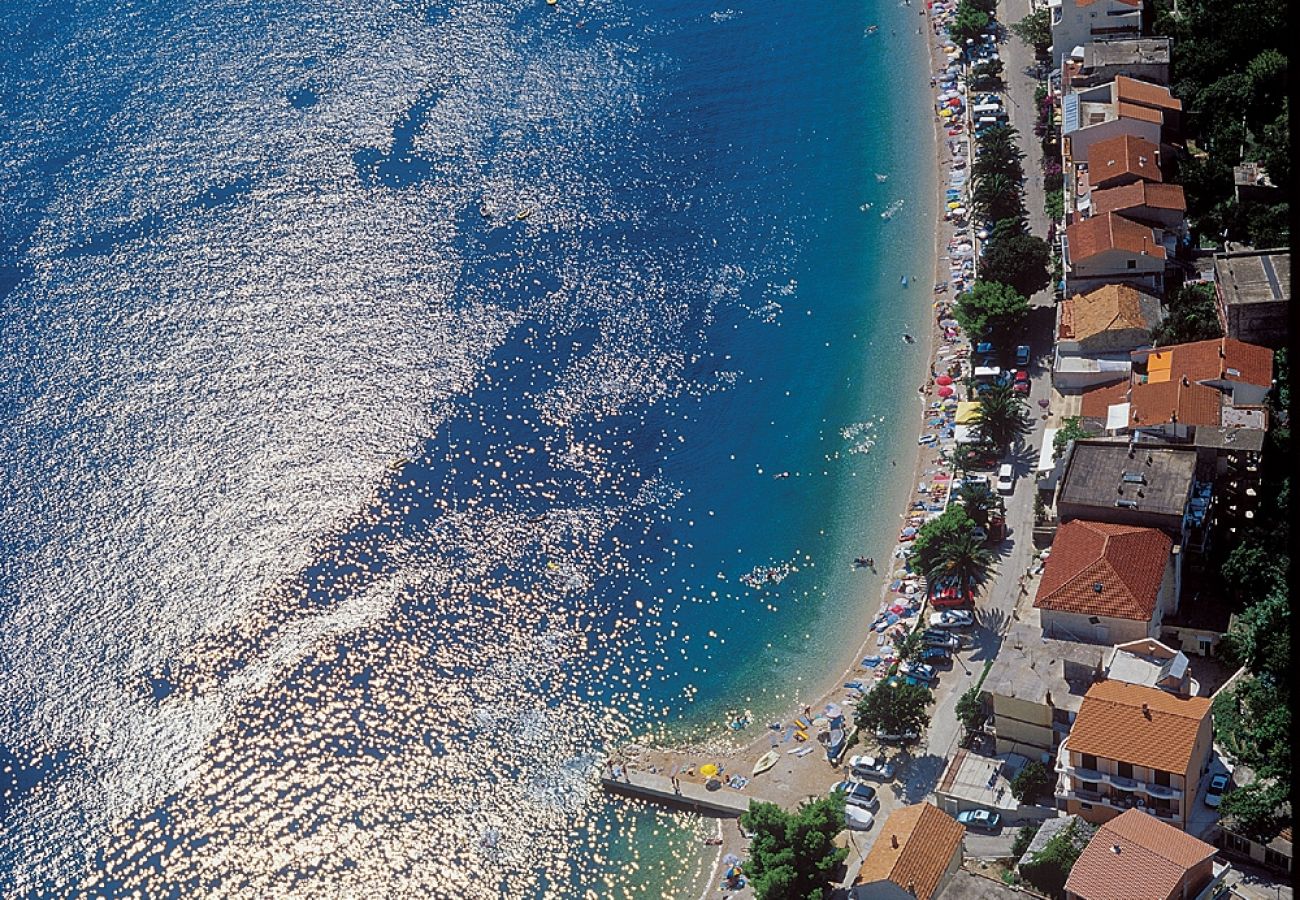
point(1079, 773)
point(1114, 801)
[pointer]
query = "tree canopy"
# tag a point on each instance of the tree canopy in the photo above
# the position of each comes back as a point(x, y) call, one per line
point(1071, 430)
point(1002, 416)
point(1032, 783)
point(969, 21)
point(1049, 868)
point(894, 708)
point(792, 854)
point(1017, 259)
point(991, 309)
point(1191, 317)
point(1035, 30)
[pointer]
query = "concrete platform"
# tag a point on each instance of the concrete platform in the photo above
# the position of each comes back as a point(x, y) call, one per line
point(724, 802)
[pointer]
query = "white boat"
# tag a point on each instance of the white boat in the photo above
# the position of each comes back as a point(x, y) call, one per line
point(766, 761)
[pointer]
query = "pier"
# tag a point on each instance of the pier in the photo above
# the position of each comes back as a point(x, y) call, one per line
point(723, 802)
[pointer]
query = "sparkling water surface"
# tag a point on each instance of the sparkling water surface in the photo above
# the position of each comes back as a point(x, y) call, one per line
point(393, 395)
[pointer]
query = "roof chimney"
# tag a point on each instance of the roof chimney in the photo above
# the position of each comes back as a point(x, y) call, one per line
point(1114, 848)
point(893, 841)
point(1146, 711)
point(1185, 382)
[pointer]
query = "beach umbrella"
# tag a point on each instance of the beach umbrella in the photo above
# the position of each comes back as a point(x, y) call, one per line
point(945, 112)
point(731, 859)
point(708, 770)
point(954, 102)
point(945, 390)
point(833, 711)
point(1044, 403)
point(949, 323)
point(943, 379)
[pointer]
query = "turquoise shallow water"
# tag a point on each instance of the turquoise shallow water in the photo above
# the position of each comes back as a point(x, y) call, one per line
point(394, 399)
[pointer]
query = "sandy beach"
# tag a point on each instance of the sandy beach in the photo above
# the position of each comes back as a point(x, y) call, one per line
point(800, 775)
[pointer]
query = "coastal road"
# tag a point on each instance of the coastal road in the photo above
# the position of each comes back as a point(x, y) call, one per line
point(1017, 58)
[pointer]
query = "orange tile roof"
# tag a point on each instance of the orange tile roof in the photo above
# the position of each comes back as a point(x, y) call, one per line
point(1173, 401)
point(1097, 400)
point(1145, 93)
point(1123, 155)
point(1139, 194)
point(1108, 308)
point(1109, 231)
point(1126, 110)
point(1153, 859)
point(1221, 358)
point(1112, 724)
point(1126, 562)
point(927, 839)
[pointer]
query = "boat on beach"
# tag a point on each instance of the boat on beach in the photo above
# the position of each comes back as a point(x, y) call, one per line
point(766, 761)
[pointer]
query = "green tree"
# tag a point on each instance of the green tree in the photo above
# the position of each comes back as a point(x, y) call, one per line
point(792, 854)
point(996, 152)
point(1002, 416)
point(1054, 205)
point(936, 539)
point(1256, 810)
point(979, 501)
point(909, 647)
point(990, 308)
point(968, 22)
point(1019, 260)
point(987, 75)
point(996, 196)
point(1192, 317)
point(1255, 565)
point(1071, 430)
point(1024, 837)
point(1032, 782)
point(970, 710)
point(1035, 30)
point(1050, 867)
point(1260, 638)
point(894, 708)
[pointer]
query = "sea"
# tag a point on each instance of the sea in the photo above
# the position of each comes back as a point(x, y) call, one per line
point(392, 398)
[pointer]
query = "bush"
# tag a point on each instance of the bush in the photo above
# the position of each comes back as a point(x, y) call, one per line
point(1032, 783)
point(791, 853)
point(1050, 866)
point(1054, 205)
point(1024, 837)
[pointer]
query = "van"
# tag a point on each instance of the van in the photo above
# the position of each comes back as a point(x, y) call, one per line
point(987, 373)
point(1006, 479)
point(986, 109)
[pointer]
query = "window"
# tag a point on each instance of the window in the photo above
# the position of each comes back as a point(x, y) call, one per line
point(1235, 842)
point(1205, 645)
point(1160, 803)
point(1085, 806)
point(1132, 263)
point(1125, 770)
point(1088, 761)
point(1161, 778)
point(1276, 860)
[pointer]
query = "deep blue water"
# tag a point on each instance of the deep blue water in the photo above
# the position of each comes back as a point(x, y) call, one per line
point(393, 399)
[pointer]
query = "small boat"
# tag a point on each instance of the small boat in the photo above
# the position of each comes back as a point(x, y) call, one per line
point(881, 178)
point(781, 475)
point(524, 213)
point(904, 281)
point(872, 29)
point(766, 761)
point(907, 338)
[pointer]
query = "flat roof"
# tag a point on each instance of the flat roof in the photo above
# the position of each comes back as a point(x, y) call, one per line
point(982, 780)
point(1254, 276)
point(1098, 469)
point(1247, 440)
point(1147, 50)
point(1029, 667)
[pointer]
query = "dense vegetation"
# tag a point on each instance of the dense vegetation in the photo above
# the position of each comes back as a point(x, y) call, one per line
point(1049, 868)
point(1230, 69)
point(1189, 316)
point(894, 708)
point(792, 854)
point(945, 547)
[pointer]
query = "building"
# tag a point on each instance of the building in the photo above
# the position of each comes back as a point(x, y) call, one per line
point(973, 781)
point(1109, 248)
point(1128, 484)
point(1076, 23)
point(1252, 290)
point(1096, 332)
point(1134, 747)
point(1105, 582)
point(1153, 664)
point(1250, 183)
point(1158, 205)
point(1274, 853)
point(916, 852)
point(1177, 390)
point(1135, 856)
point(1123, 160)
point(1123, 106)
point(1144, 58)
point(1034, 690)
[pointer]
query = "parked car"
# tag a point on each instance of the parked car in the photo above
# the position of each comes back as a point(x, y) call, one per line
point(856, 794)
point(1022, 355)
point(979, 534)
point(932, 637)
point(937, 656)
point(857, 818)
point(1214, 793)
point(951, 618)
point(886, 738)
point(920, 673)
point(863, 766)
point(980, 819)
point(1006, 479)
point(976, 480)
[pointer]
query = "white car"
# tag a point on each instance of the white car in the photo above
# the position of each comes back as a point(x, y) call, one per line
point(1214, 793)
point(951, 618)
point(858, 819)
point(1006, 481)
point(871, 767)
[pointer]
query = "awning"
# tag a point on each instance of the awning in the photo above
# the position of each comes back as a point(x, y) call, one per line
point(966, 412)
point(1045, 461)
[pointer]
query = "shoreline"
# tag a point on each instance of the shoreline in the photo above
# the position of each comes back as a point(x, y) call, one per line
point(736, 756)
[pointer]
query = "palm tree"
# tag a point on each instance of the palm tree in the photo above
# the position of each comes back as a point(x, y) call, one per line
point(962, 557)
point(1002, 416)
point(997, 197)
point(979, 500)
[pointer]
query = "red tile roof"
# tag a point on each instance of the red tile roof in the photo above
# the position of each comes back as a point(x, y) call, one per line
point(1109, 231)
point(1100, 569)
point(1145, 93)
point(927, 837)
point(1221, 358)
point(1127, 110)
point(1140, 725)
point(1173, 401)
point(1097, 400)
point(1139, 194)
point(1123, 155)
point(1151, 862)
